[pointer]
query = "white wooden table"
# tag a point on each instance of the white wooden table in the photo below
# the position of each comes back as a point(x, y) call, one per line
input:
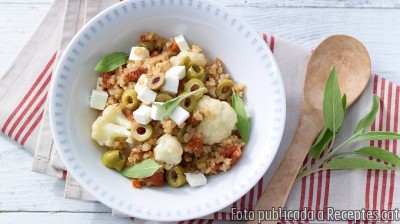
point(34, 198)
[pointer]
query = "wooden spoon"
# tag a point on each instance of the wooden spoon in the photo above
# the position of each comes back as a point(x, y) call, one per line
point(353, 67)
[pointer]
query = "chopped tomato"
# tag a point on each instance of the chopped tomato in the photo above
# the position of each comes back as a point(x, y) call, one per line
point(136, 183)
point(154, 53)
point(175, 47)
point(233, 152)
point(196, 144)
point(134, 75)
point(157, 179)
point(106, 79)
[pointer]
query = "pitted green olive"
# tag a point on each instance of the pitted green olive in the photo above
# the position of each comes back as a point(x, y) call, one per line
point(196, 72)
point(175, 176)
point(129, 99)
point(224, 89)
point(113, 159)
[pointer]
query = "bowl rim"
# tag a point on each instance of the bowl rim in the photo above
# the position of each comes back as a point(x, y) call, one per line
point(74, 172)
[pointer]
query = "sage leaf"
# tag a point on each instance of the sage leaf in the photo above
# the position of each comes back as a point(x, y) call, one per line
point(111, 62)
point(377, 135)
point(332, 103)
point(344, 102)
point(379, 153)
point(145, 168)
point(356, 163)
point(366, 122)
point(321, 143)
point(243, 123)
point(325, 137)
point(172, 104)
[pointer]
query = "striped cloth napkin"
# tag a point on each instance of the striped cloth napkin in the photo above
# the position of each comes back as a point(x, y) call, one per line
point(24, 118)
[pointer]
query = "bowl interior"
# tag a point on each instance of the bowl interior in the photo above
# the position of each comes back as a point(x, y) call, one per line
point(220, 34)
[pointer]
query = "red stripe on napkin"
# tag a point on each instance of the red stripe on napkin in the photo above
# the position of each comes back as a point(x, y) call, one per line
point(34, 125)
point(30, 117)
point(29, 93)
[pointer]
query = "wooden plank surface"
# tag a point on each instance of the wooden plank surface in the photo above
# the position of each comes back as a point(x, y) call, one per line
point(28, 196)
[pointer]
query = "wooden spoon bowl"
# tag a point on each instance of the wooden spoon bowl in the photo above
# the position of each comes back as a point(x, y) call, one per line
point(353, 67)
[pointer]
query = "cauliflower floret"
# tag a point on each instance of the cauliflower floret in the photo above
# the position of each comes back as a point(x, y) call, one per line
point(218, 122)
point(168, 150)
point(195, 58)
point(111, 125)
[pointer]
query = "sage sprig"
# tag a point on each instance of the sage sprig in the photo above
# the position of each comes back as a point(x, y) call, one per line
point(243, 123)
point(172, 104)
point(111, 62)
point(334, 108)
point(145, 168)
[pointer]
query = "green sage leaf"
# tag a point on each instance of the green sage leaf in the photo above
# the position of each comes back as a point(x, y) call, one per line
point(357, 163)
point(243, 123)
point(379, 153)
point(324, 138)
point(332, 104)
point(172, 104)
point(144, 169)
point(377, 135)
point(366, 122)
point(111, 62)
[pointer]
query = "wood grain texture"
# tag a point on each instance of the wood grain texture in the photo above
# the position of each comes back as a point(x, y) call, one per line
point(25, 195)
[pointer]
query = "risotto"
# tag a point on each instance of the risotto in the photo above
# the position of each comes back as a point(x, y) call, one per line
point(166, 113)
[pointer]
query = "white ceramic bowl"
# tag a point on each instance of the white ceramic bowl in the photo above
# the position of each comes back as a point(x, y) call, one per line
point(221, 34)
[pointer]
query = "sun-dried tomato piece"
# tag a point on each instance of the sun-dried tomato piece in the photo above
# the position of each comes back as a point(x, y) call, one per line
point(156, 180)
point(136, 183)
point(196, 144)
point(106, 79)
point(135, 75)
point(233, 152)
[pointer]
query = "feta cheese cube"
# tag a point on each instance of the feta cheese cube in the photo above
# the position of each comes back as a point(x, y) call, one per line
point(138, 54)
point(142, 114)
point(182, 44)
point(146, 95)
point(157, 112)
point(196, 179)
point(179, 115)
point(178, 72)
point(98, 99)
point(171, 85)
point(141, 83)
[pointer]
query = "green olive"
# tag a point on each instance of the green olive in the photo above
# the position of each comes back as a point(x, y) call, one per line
point(141, 132)
point(156, 81)
point(185, 60)
point(163, 97)
point(196, 72)
point(224, 89)
point(195, 84)
point(189, 103)
point(175, 176)
point(149, 45)
point(129, 99)
point(113, 159)
point(201, 159)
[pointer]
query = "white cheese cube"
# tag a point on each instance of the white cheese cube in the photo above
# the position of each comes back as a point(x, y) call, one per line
point(98, 99)
point(146, 95)
point(142, 114)
point(196, 179)
point(178, 72)
point(138, 54)
point(168, 150)
point(179, 115)
point(141, 83)
point(157, 112)
point(171, 85)
point(182, 44)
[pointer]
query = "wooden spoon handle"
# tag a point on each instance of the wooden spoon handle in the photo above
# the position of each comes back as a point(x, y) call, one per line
point(278, 189)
